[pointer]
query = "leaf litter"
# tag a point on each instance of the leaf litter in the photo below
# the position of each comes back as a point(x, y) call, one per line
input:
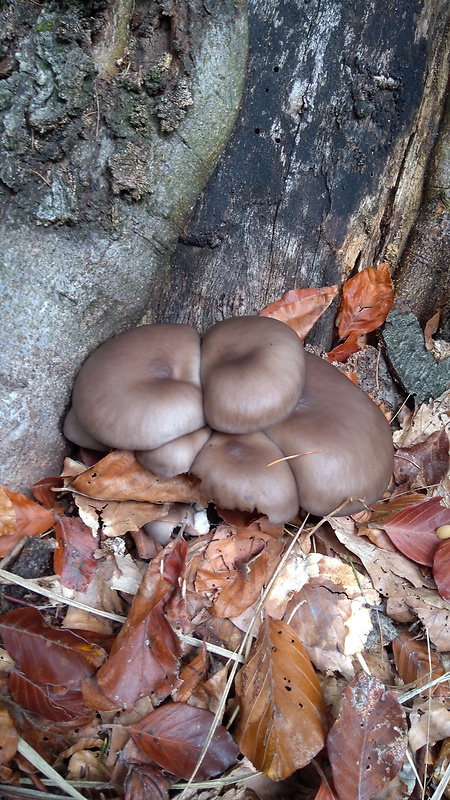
point(301, 660)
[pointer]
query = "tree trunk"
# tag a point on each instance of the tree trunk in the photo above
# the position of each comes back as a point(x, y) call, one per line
point(111, 122)
point(113, 117)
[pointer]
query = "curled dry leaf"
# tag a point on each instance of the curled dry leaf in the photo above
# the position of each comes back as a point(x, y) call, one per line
point(119, 476)
point(416, 662)
point(367, 743)
point(367, 299)
point(430, 723)
point(173, 736)
point(301, 308)
point(278, 693)
point(20, 517)
point(144, 781)
point(74, 560)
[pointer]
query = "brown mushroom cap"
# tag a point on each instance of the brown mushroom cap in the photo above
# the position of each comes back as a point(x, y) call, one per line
point(234, 474)
point(142, 388)
point(176, 456)
point(252, 373)
point(354, 439)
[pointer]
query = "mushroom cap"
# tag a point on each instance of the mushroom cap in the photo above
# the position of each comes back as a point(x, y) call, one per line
point(252, 373)
point(234, 474)
point(356, 455)
point(176, 456)
point(142, 388)
point(75, 432)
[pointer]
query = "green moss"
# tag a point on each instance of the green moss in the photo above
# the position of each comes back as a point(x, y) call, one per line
point(45, 25)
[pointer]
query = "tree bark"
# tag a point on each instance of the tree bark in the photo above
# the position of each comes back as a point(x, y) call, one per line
point(113, 116)
point(324, 172)
point(111, 122)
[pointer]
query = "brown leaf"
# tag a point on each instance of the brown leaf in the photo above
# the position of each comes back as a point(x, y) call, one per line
point(413, 530)
point(345, 349)
point(416, 662)
point(73, 559)
point(45, 494)
point(47, 655)
point(367, 299)
point(192, 675)
point(430, 723)
point(301, 308)
point(119, 476)
point(144, 781)
point(278, 693)
point(173, 736)
point(55, 703)
point(8, 737)
point(146, 643)
point(367, 743)
point(441, 569)
point(20, 515)
point(423, 464)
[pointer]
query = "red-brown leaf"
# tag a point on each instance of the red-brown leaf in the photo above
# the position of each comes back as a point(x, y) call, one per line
point(44, 492)
point(173, 736)
point(441, 568)
point(145, 782)
point(8, 737)
point(146, 643)
point(367, 299)
point(367, 743)
point(279, 694)
point(73, 559)
point(55, 703)
point(47, 655)
point(301, 308)
point(413, 530)
point(345, 349)
point(414, 658)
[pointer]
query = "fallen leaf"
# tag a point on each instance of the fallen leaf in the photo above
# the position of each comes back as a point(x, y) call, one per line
point(119, 476)
point(367, 743)
point(301, 308)
point(47, 655)
point(278, 693)
point(413, 530)
point(441, 569)
point(415, 660)
point(430, 723)
point(73, 559)
point(20, 515)
point(423, 464)
point(367, 299)
point(146, 643)
point(345, 349)
point(173, 736)
point(8, 737)
point(55, 703)
point(144, 781)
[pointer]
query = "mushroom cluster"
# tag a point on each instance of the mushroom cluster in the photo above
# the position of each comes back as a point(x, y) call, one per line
point(263, 424)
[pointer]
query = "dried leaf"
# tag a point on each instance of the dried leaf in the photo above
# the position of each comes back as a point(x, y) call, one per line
point(423, 464)
point(55, 703)
point(146, 643)
point(367, 299)
point(278, 693)
point(45, 494)
point(345, 349)
point(301, 308)
point(74, 560)
point(144, 782)
point(441, 569)
point(8, 737)
point(47, 655)
point(119, 476)
point(367, 743)
point(430, 723)
point(20, 515)
point(173, 736)
point(416, 662)
point(413, 530)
